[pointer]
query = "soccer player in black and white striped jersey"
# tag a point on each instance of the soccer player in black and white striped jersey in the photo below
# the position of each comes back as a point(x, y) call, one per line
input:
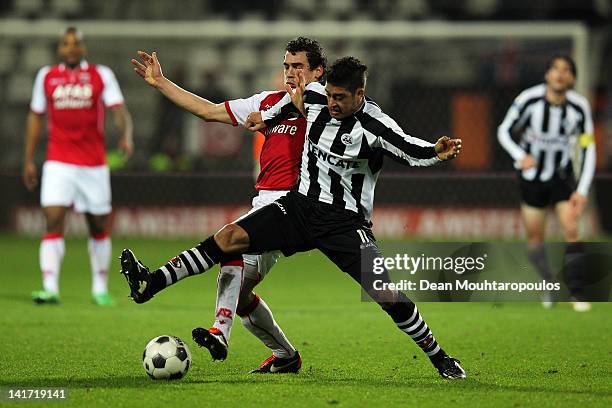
point(552, 120)
point(347, 137)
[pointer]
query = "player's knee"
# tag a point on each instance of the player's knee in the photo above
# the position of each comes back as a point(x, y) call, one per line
point(97, 225)
point(54, 224)
point(535, 240)
point(385, 298)
point(243, 301)
point(570, 233)
point(246, 296)
point(232, 237)
point(569, 224)
point(55, 228)
point(535, 236)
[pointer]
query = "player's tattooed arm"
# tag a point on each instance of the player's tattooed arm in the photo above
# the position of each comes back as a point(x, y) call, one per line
point(151, 71)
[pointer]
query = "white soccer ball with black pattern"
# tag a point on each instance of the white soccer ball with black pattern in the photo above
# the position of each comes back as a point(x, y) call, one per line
point(166, 357)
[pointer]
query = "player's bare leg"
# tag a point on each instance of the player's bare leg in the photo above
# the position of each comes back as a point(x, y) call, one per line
point(575, 269)
point(534, 219)
point(568, 219)
point(232, 239)
point(99, 248)
point(51, 253)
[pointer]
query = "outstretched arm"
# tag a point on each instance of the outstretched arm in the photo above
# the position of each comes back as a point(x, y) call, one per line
point(150, 70)
point(418, 152)
point(400, 146)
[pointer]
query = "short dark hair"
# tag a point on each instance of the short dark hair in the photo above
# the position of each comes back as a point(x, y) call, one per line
point(347, 72)
point(565, 57)
point(73, 30)
point(314, 52)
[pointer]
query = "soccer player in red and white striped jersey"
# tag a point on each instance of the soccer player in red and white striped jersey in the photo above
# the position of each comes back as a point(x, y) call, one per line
point(279, 161)
point(74, 95)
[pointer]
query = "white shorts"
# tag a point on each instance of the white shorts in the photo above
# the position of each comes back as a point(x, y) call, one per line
point(86, 188)
point(257, 266)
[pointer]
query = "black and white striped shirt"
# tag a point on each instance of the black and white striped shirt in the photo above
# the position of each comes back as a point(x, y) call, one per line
point(342, 159)
point(550, 134)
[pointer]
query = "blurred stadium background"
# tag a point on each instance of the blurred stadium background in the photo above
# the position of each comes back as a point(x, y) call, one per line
point(438, 67)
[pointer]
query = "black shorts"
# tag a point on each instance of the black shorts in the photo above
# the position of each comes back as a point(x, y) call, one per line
point(296, 223)
point(543, 194)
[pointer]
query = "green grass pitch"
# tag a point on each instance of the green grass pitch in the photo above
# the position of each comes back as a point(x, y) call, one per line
point(515, 354)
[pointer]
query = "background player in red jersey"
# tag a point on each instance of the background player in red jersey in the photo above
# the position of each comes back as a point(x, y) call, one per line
point(279, 161)
point(74, 94)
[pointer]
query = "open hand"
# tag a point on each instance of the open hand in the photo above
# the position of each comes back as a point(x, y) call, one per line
point(297, 93)
point(149, 69)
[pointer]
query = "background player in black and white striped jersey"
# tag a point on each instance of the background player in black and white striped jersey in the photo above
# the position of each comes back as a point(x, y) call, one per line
point(552, 121)
point(347, 138)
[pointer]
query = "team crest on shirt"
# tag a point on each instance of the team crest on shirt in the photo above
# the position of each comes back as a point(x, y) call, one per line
point(84, 77)
point(346, 139)
point(176, 262)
